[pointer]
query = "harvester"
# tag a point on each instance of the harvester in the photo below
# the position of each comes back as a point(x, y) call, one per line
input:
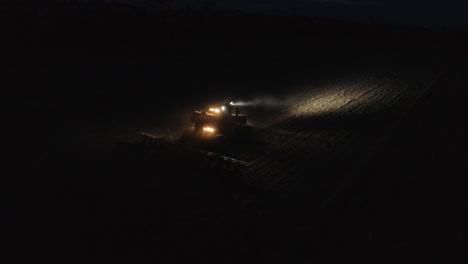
point(223, 122)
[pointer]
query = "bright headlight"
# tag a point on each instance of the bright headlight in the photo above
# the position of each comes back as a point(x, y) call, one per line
point(208, 129)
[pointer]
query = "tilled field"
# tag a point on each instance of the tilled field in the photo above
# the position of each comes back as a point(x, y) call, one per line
point(359, 139)
point(309, 144)
point(307, 149)
point(321, 132)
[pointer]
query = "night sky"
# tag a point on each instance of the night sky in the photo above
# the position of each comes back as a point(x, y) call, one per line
point(415, 12)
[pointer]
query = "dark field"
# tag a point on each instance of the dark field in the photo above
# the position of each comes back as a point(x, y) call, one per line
point(359, 150)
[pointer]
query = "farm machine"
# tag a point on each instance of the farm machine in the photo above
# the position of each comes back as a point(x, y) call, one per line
point(213, 129)
point(223, 123)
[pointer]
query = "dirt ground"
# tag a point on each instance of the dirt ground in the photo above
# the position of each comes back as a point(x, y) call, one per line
point(359, 145)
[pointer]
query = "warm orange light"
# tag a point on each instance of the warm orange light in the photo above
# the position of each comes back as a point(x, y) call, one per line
point(208, 129)
point(216, 110)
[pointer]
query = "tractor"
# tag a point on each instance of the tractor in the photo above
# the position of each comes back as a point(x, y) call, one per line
point(213, 129)
point(221, 123)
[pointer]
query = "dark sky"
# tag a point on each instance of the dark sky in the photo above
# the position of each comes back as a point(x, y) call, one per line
point(408, 12)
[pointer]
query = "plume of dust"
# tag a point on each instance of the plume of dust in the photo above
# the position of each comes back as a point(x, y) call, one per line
point(268, 102)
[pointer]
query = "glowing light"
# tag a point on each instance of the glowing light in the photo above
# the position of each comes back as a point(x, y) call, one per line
point(223, 108)
point(208, 129)
point(231, 103)
point(216, 110)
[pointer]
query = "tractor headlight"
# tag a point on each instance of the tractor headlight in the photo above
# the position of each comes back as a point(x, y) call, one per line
point(208, 129)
